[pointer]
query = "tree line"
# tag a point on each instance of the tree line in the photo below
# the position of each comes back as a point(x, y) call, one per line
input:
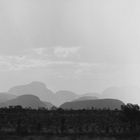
point(16, 120)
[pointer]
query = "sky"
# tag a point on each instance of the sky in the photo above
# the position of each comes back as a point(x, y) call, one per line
point(78, 45)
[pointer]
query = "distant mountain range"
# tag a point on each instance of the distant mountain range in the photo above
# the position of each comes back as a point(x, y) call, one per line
point(47, 98)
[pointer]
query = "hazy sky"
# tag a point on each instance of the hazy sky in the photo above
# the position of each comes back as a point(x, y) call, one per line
point(80, 45)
